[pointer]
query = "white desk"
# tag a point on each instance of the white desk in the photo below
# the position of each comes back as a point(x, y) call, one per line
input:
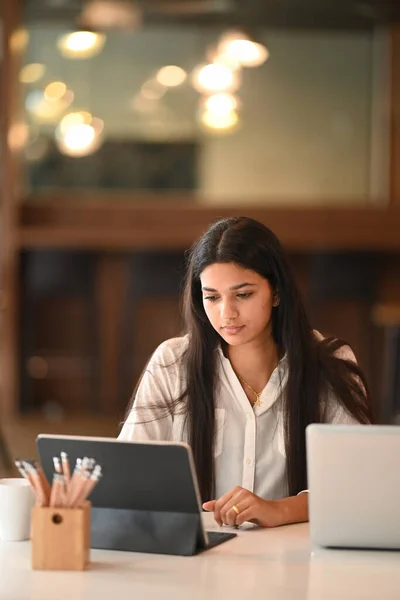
point(274, 564)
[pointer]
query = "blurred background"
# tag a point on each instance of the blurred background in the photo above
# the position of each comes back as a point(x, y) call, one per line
point(128, 126)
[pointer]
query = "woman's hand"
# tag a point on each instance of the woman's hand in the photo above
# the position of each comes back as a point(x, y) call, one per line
point(240, 505)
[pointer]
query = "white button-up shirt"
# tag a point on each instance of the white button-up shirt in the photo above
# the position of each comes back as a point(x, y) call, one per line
point(249, 440)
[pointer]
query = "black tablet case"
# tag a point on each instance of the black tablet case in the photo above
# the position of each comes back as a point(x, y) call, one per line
point(146, 500)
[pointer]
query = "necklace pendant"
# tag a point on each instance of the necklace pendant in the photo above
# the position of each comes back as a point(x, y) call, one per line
point(258, 402)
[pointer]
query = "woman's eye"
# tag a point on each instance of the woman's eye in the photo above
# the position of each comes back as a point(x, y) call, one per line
point(211, 298)
point(245, 295)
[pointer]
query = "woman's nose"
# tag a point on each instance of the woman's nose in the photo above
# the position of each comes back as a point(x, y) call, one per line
point(228, 311)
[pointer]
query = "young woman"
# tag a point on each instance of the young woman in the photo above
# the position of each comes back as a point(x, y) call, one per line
point(246, 379)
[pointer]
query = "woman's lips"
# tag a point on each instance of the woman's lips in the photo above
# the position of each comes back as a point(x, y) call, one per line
point(233, 330)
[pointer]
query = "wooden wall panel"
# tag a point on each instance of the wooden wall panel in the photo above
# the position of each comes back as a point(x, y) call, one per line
point(10, 52)
point(62, 378)
point(156, 319)
point(395, 110)
point(111, 285)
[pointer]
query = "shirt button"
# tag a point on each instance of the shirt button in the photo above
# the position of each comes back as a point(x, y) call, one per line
point(249, 462)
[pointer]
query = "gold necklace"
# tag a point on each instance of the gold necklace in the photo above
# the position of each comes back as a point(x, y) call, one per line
point(257, 394)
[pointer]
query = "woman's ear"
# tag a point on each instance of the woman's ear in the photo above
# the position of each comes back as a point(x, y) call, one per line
point(276, 299)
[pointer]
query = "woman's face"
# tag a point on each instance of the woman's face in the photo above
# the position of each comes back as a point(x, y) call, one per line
point(237, 302)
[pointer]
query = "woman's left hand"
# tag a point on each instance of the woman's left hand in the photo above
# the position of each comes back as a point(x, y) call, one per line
point(248, 507)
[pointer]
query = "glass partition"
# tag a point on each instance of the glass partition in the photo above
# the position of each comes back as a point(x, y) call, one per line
point(228, 114)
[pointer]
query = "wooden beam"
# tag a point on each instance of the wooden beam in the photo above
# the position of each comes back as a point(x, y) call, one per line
point(395, 117)
point(175, 224)
point(12, 43)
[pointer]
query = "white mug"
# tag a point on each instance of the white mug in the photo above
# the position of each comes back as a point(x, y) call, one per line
point(16, 501)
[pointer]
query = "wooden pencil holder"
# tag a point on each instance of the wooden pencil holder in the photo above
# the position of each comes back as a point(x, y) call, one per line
point(60, 538)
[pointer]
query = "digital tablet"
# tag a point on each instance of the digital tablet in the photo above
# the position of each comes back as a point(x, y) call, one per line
point(148, 497)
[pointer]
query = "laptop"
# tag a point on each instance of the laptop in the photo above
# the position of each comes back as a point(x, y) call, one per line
point(354, 485)
point(147, 499)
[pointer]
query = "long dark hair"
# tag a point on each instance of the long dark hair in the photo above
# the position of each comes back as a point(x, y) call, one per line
point(314, 370)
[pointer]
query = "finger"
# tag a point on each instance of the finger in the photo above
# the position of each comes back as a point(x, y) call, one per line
point(209, 506)
point(228, 514)
point(248, 514)
point(226, 509)
point(220, 503)
point(231, 515)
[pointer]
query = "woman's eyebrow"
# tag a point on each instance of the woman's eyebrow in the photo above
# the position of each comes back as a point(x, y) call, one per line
point(234, 287)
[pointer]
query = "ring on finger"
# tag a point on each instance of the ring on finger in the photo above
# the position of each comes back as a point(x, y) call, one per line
point(235, 508)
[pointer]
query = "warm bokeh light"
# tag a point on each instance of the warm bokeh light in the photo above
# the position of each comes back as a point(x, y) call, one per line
point(220, 121)
point(78, 140)
point(55, 91)
point(220, 103)
point(171, 76)
point(247, 53)
point(215, 54)
point(120, 14)
point(98, 125)
point(79, 133)
point(18, 136)
point(86, 116)
point(19, 40)
point(43, 110)
point(219, 112)
point(31, 73)
point(81, 44)
point(238, 48)
point(215, 77)
point(152, 90)
point(74, 118)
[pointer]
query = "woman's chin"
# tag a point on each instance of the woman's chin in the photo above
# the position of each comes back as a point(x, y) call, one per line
point(235, 340)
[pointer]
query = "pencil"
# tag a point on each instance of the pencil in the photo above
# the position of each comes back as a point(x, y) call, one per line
point(57, 496)
point(74, 481)
point(57, 465)
point(37, 484)
point(66, 468)
point(43, 480)
point(78, 489)
point(87, 488)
